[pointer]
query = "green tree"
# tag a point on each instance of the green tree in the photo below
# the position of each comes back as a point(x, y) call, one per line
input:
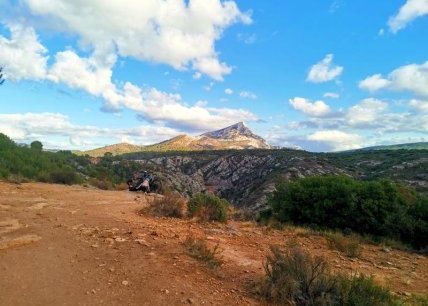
point(36, 145)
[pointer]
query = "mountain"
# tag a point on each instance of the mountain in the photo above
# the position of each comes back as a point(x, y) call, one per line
point(237, 136)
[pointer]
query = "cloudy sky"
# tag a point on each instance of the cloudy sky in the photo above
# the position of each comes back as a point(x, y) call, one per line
point(322, 75)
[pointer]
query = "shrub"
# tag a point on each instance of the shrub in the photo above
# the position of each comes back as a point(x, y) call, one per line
point(363, 291)
point(350, 245)
point(198, 248)
point(296, 278)
point(208, 207)
point(101, 184)
point(378, 208)
point(172, 205)
point(60, 176)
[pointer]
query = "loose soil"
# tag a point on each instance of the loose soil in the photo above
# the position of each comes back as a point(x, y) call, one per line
point(72, 245)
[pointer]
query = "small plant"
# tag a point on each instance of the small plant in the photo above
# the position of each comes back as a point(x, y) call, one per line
point(363, 291)
point(350, 245)
point(198, 248)
point(296, 278)
point(172, 205)
point(208, 207)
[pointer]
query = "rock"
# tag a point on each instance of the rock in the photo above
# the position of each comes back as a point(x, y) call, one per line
point(190, 301)
point(95, 245)
point(125, 283)
point(120, 239)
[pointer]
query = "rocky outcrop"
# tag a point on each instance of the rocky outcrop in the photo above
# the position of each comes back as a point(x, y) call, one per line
point(245, 178)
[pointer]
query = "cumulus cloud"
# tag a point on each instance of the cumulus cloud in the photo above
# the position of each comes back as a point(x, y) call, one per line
point(366, 113)
point(248, 95)
point(413, 78)
point(60, 133)
point(324, 71)
point(313, 109)
point(338, 140)
point(93, 75)
point(178, 33)
point(411, 10)
point(228, 91)
point(419, 105)
point(22, 56)
point(374, 83)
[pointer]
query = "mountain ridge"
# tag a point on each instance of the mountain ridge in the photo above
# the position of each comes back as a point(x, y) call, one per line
point(237, 136)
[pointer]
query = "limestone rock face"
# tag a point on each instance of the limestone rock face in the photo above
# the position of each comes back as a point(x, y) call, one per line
point(245, 178)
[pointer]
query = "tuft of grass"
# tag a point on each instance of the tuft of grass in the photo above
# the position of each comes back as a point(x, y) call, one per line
point(198, 249)
point(350, 245)
point(294, 277)
point(172, 205)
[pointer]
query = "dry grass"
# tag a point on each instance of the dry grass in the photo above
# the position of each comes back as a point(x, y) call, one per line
point(173, 205)
point(350, 245)
point(198, 248)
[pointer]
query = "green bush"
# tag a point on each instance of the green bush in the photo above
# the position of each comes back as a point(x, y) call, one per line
point(208, 207)
point(297, 278)
point(378, 208)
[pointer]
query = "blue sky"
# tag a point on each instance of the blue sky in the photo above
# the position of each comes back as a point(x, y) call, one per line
point(322, 75)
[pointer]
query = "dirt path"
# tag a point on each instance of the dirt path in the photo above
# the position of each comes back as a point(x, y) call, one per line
point(78, 246)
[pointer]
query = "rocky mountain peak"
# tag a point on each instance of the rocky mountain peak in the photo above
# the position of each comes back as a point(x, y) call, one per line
point(230, 132)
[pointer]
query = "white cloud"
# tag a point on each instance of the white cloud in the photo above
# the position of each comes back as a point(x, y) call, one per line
point(338, 140)
point(324, 71)
point(179, 33)
point(374, 83)
point(56, 130)
point(248, 95)
point(94, 75)
point(413, 78)
point(419, 105)
point(312, 109)
point(367, 113)
point(411, 10)
point(22, 56)
point(197, 75)
point(331, 95)
point(228, 91)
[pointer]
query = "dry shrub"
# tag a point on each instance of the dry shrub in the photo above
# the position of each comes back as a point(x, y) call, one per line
point(296, 278)
point(198, 248)
point(350, 245)
point(172, 205)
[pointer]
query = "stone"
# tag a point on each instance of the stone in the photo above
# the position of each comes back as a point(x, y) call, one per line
point(125, 283)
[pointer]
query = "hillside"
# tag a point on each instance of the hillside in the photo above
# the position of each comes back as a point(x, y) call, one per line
point(237, 136)
point(115, 149)
point(404, 146)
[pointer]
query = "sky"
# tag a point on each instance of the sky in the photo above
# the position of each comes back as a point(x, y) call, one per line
point(325, 75)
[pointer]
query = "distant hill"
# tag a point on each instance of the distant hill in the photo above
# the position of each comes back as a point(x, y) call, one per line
point(115, 149)
point(237, 136)
point(404, 146)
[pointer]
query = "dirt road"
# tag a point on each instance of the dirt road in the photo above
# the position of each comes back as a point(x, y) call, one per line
point(63, 245)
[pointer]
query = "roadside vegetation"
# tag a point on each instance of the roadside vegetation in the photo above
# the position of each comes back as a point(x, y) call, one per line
point(381, 209)
point(294, 277)
point(199, 249)
point(208, 207)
